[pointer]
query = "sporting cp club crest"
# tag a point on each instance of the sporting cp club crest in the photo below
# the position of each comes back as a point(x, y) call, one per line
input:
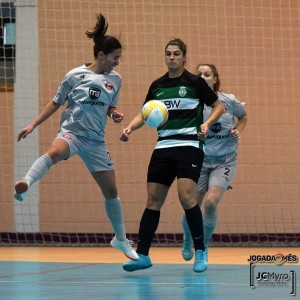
point(182, 91)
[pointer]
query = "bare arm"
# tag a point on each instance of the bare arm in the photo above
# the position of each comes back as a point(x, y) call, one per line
point(48, 111)
point(241, 123)
point(136, 123)
point(216, 113)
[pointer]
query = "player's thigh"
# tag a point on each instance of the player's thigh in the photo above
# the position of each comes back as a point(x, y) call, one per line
point(211, 201)
point(106, 180)
point(59, 149)
point(96, 157)
point(186, 189)
point(157, 194)
point(223, 174)
point(64, 146)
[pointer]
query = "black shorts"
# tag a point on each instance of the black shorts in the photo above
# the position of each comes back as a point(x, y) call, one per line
point(168, 163)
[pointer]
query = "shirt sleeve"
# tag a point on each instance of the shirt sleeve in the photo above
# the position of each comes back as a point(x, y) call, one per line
point(149, 95)
point(238, 108)
point(118, 84)
point(63, 90)
point(115, 101)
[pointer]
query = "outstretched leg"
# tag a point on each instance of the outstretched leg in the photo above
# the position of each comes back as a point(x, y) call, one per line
point(58, 150)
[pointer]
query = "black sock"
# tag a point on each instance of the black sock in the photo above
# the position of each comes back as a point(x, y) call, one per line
point(148, 226)
point(194, 219)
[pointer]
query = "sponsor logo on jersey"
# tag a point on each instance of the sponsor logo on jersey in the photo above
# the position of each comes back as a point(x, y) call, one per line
point(94, 93)
point(182, 91)
point(172, 103)
point(216, 127)
point(109, 86)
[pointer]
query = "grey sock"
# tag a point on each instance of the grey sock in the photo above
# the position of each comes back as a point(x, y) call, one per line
point(209, 226)
point(114, 212)
point(38, 169)
point(185, 226)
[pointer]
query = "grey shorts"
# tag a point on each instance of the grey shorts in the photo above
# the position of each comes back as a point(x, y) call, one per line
point(218, 171)
point(94, 154)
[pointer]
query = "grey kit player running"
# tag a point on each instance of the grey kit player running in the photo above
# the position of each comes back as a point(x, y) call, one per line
point(92, 93)
point(220, 160)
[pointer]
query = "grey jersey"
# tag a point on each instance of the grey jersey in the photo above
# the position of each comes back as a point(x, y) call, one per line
point(218, 141)
point(89, 96)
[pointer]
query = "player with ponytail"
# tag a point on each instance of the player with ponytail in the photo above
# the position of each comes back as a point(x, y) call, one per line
point(92, 93)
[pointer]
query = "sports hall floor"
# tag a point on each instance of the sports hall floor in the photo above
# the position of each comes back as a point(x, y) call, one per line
point(59, 273)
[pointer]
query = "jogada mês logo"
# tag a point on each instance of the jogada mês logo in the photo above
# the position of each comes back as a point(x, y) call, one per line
point(277, 259)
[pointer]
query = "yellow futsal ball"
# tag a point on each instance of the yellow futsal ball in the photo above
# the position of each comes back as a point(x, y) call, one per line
point(155, 113)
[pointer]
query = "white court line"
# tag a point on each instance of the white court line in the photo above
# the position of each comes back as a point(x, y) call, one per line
point(125, 282)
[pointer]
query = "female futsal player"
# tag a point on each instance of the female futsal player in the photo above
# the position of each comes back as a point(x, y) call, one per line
point(92, 93)
point(178, 152)
point(220, 160)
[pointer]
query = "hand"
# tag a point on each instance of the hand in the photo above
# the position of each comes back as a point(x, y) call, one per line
point(24, 132)
point(202, 134)
point(124, 134)
point(235, 133)
point(117, 117)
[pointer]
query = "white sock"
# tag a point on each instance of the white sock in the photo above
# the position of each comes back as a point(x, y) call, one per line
point(114, 212)
point(209, 226)
point(38, 169)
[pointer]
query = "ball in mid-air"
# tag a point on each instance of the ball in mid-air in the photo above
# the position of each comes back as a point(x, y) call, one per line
point(155, 113)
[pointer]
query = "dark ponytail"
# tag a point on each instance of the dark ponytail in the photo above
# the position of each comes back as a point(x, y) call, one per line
point(102, 42)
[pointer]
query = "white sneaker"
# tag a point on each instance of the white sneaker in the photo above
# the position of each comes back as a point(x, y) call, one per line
point(21, 188)
point(125, 247)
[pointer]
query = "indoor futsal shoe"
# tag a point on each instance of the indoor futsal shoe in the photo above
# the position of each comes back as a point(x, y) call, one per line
point(144, 262)
point(200, 264)
point(125, 247)
point(187, 247)
point(21, 188)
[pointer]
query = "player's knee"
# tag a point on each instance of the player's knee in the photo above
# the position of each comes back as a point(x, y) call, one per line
point(110, 192)
point(154, 203)
point(55, 155)
point(210, 205)
point(187, 202)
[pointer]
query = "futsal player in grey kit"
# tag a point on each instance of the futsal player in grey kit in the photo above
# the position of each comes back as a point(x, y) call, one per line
point(92, 93)
point(220, 160)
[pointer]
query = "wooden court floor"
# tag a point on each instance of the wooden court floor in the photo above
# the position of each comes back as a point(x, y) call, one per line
point(35, 273)
point(165, 255)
